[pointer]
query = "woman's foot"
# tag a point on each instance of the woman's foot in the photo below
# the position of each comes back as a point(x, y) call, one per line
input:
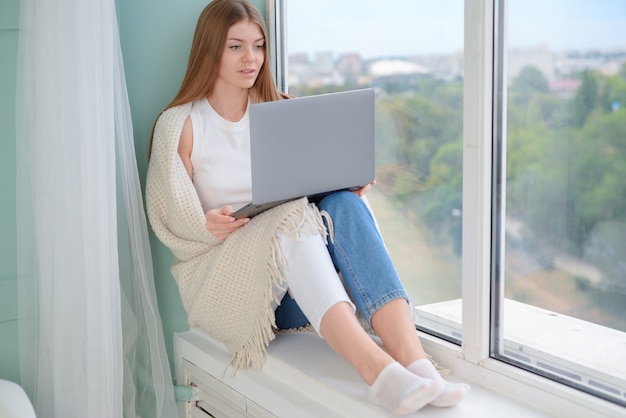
point(401, 391)
point(452, 393)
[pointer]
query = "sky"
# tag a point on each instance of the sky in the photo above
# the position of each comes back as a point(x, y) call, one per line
point(378, 28)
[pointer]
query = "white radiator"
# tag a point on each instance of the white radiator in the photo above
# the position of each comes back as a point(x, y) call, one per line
point(216, 399)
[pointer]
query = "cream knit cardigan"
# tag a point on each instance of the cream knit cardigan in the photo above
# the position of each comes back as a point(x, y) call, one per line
point(227, 287)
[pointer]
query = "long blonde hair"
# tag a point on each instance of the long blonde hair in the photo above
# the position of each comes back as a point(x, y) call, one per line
point(208, 45)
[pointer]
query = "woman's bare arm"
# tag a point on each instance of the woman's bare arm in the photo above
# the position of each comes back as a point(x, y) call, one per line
point(185, 146)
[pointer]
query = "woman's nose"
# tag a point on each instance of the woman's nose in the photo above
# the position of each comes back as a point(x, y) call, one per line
point(249, 56)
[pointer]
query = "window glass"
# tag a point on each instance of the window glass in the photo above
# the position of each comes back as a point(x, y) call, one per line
point(411, 53)
point(563, 208)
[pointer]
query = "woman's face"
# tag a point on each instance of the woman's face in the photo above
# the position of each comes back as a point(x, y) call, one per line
point(243, 55)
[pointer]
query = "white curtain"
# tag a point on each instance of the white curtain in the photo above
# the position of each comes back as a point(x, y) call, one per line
point(91, 343)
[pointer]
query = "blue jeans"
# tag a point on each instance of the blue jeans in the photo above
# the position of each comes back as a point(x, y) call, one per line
point(359, 254)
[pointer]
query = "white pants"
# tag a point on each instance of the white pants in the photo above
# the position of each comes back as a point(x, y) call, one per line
point(311, 276)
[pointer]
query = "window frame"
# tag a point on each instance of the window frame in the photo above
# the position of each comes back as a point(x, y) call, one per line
point(473, 360)
point(500, 128)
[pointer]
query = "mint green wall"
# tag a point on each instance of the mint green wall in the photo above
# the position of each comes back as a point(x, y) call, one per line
point(9, 20)
point(156, 38)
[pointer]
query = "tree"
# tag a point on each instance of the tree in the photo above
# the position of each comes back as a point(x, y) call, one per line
point(586, 98)
point(529, 81)
point(613, 95)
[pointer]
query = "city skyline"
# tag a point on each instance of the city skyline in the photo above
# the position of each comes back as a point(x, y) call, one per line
point(368, 28)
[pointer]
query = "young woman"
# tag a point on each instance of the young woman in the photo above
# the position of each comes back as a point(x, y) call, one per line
point(240, 279)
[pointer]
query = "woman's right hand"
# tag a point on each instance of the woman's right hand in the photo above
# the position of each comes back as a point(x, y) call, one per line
point(221, 223)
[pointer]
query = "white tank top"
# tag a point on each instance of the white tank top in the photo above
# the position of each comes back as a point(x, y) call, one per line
point(220, 158)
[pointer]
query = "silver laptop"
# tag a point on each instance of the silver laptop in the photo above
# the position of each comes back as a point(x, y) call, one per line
point(310, 146)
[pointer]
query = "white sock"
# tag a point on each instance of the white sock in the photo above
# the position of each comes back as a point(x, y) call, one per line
point(401, 391)
point(451, 394)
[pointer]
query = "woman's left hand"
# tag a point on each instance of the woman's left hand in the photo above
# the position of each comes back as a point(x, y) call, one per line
point(361, 192)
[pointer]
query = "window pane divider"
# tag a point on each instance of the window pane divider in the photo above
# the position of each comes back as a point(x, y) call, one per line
point(276, 23)
point(477, 170)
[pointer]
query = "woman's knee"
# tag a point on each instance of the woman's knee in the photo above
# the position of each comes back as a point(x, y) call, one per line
point(340, 200)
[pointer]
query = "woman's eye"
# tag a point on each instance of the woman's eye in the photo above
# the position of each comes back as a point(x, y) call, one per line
point(260, 46)
point(235, 47)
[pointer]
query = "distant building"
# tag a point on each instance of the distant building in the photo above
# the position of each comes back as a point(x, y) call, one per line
point(324, 63)
point(574, 62)
point(395, 75)
point(564, 88)
point(350, 65)
point(395, 67)
point(443, 67)
point(538, 56)
point(398, 75)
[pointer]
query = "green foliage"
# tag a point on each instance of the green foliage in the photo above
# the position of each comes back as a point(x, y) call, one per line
point(444, 209)
point(423, 154)
point(613, 93)
point(566, 160)
point(531, 80)
point(586, 98)
point(622, 72)
point(422, 126)
point(601, 169)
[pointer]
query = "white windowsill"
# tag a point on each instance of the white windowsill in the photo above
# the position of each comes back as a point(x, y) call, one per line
point(545, 336)
point(304, 377)
point(583, 352)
